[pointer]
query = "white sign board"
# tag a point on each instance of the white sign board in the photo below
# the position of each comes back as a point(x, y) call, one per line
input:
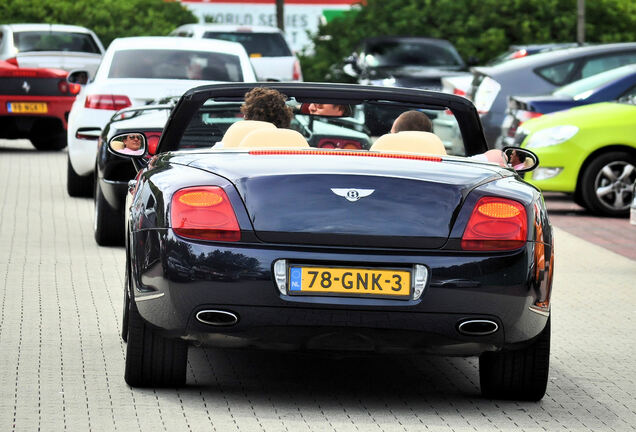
point(301, 16)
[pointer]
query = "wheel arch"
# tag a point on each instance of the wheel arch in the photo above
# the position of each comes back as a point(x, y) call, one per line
point(596, 153)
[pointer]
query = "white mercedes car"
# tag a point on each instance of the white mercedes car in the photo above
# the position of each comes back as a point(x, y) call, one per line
point(135, 71)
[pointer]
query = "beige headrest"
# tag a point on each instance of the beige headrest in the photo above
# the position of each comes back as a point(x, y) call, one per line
point(237, 131)
point(274, 138)
point(410, 142)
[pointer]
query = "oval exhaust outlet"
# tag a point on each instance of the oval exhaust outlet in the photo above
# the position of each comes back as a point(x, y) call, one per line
point(217, 317)
point(477, 327)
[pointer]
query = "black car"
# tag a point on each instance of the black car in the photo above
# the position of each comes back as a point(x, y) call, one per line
point(274, 244)
point(113, 172)
point(404, 61)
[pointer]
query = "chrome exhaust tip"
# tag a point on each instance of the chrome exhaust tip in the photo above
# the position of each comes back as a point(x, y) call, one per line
point(477, 327)
point(217, 317)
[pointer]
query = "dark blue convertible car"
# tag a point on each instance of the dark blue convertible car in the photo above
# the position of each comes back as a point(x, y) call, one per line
point(267, 242)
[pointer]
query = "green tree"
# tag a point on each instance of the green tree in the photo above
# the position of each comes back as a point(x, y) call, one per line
point(478, 28)
point(109, 19)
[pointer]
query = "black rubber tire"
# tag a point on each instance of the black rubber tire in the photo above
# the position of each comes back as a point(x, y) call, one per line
point(589, 186)
point(108, 224)
point(519, 374)
point(151, 359)
point(77, 185)
point(47, 143)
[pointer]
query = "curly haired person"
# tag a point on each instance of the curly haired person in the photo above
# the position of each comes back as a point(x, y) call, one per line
point(266, 104)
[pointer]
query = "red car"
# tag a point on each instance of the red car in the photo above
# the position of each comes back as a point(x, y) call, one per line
point(34, 104)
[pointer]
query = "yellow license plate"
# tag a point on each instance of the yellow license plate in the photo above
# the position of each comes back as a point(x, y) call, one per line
point(359, 282)
point(28, 107)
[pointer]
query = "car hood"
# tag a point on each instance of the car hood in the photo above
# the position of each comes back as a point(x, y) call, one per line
point(302, 198)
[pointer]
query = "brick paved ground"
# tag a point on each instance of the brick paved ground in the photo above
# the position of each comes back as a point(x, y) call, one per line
point(61, 358)
point(615, 234)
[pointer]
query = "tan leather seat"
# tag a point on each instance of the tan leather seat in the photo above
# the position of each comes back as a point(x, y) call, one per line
point(274, 138)
point(410, 142)
point(237, 131)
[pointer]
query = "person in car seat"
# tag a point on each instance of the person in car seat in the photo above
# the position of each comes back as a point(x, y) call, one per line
point(412, 121)
point(418, 121)
point(267, 104)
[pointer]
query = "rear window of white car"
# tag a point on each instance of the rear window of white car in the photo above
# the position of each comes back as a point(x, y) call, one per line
point(176, 64)
point(256, 44)
point(28, 41)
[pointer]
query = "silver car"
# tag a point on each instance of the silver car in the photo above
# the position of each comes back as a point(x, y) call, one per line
point(50, 46)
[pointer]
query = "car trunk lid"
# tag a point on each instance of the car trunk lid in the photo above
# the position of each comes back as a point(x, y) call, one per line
point(350, 201)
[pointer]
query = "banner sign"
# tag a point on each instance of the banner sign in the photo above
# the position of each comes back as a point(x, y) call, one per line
point(301, 16)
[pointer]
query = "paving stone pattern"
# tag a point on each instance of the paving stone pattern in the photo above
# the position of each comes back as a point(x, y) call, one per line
point(62, 360)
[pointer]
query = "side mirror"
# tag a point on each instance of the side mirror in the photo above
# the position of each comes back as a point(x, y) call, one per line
point(520, 159)
point(129, 144)
point(78, 77)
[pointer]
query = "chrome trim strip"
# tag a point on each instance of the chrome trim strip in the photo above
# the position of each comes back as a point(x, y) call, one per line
point(149, 297)
point(539, 311)
point(463, 323)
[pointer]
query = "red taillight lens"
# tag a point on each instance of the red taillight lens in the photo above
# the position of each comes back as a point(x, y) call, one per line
point(13, 61)
point(204, 213)
point(496, 224)
point(153, 140)
point(459, 92)
point(519, 53)
point(297, 74)
point(107, 102)
point(74, 88)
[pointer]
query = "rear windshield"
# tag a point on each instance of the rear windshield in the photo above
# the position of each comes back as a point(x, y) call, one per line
point(28, 41)
point(176, 64)
point(256, 44)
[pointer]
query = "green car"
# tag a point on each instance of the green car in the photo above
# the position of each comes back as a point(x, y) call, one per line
point(588, 151)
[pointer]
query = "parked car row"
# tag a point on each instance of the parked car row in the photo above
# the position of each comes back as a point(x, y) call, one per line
point(37, 103)
point(588, 151)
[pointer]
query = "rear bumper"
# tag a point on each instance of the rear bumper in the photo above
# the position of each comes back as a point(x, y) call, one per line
point(58, 108)
point(175, 279)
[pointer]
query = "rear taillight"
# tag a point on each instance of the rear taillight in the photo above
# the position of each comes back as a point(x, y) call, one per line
point(459, 92)
point(204, 213)
point(519, 53)
point(74, 88)
point(107, 102)
point(13, 61)
point(297, 74)
point(153, 140)
point(496, 224)
point(331, 143)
